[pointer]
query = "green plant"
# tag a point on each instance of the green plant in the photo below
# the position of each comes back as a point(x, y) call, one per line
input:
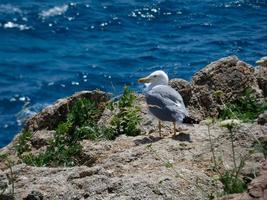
point(230, 178)
point(231, 183)
point(84, 112)
point(128, 118)
point(64, 148)
point(245, 108)
point(22, 144)
point(61, 155)
point(61, 151)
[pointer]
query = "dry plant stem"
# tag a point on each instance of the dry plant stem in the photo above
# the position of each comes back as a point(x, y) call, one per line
point(232, 146)
point(11, 177)
point(12, 180)
point(174, 128)
point(212, 150)
point(232, 136)
point(240, 166)
point(159, 128)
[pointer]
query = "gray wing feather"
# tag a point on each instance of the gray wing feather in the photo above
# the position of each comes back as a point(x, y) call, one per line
point(168, 92)
point(166, 97)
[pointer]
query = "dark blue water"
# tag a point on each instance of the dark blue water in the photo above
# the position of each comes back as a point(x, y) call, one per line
point(53, 48)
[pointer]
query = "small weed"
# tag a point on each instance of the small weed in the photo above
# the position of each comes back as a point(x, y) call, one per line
point(61, 155)
point(246, 108)
point(84, 112)
point(64, 149)
point(168, 164)
point(22, 144)
point(128, 118)
point(232, 184)
point(230, 178)
point(61, 151)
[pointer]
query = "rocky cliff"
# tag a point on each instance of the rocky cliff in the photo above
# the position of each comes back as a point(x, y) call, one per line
point(147, 166)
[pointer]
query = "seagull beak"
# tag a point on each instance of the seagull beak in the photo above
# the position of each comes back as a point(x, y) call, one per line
point(144, 80)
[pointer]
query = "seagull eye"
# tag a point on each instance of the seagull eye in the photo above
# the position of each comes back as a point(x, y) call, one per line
point(154, 76)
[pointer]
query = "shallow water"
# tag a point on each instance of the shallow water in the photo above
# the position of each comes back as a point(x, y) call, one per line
point(51, 49)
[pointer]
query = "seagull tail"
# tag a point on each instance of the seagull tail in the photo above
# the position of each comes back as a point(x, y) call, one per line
point(190, 120)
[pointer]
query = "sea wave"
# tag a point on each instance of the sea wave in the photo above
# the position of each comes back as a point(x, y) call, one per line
point(22, 27)
point(28, 111)
point(57, 10)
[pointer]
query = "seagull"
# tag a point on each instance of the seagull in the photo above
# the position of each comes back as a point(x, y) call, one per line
point(164, 102)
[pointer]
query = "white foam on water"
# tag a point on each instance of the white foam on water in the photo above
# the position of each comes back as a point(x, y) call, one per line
point(22, 27)
point(75, 83)
point(27, 111)
point(57, 10)
point(145, 13)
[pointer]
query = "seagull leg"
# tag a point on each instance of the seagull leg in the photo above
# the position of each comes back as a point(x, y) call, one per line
point(174, 128)
point(159, 128)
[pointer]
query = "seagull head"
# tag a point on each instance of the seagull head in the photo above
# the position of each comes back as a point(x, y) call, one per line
point(156, 78)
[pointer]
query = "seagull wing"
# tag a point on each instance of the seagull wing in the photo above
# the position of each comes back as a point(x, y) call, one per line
point(168, 100)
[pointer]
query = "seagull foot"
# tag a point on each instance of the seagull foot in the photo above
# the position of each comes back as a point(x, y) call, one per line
point(180, 129)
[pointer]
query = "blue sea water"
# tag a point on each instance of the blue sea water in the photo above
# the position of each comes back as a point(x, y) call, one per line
point(53, 48)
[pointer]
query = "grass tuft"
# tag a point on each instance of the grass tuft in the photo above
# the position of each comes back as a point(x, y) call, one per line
point(231, 183)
